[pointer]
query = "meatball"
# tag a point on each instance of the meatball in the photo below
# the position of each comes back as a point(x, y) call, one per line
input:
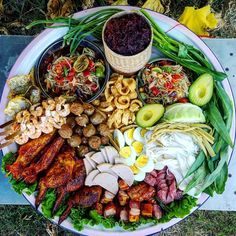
point(97, 118)
point(94, 142)
point(82, 150)
point(84, 140)
point(79, 130)
point(82, 120)
point(65, 131)
point(74, 141)
point(89, 130)
point(76, 108)
point(104, 130)
point(71, 122)
point(88, 109)
point(105, 140)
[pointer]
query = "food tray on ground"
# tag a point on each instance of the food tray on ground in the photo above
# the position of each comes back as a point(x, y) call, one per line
point(28, 58)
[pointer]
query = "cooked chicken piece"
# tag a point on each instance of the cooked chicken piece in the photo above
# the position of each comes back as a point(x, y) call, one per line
point(27, 153)
point(94, 142)
point(76, 108)
point(76, 182)
point(85, 197)
point(88, 109)
point(59, 173)
point(30, 173)
point(89, 130)
point(82, 120)
point(141, 192)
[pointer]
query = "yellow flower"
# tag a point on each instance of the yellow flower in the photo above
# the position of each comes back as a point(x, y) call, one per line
point(199, 20)
point(154, 5)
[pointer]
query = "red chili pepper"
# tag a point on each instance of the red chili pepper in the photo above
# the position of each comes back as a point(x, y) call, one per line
point(183, 100)
point(93, 87)
point(165, 63)
point(69, 78)
point(86, 73)
point(91, 64)
point(176, 78)
point(168, 85)
point(49, 66)
point(155, 91)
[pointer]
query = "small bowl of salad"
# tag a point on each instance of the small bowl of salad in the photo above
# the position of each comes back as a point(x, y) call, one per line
point(82, 75)
point(163, 81)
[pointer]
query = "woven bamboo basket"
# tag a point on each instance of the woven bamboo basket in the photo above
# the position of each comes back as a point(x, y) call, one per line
point(127, 64)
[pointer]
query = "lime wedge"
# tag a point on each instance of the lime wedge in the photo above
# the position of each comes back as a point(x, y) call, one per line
point(184, 112)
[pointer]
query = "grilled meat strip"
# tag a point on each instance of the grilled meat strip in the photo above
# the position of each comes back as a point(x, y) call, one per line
point(76, 182)
point(58, 174)
point(141, 192)
point(85, 197)
point(27, 153)
point(30, 173)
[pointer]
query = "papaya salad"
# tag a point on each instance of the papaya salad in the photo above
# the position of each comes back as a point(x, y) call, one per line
point(139, 154)
point(79, 73)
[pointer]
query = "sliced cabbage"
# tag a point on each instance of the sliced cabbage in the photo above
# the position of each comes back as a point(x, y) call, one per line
point(184, 113)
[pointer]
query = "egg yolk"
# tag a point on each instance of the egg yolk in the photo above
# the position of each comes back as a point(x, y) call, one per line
point(143, 132)
point(125, 152)
point(138, 146)
point(134, 169)
point(141, 161)
point(130, 133)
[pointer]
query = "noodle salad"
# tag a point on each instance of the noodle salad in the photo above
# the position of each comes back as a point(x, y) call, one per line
point(81, 73)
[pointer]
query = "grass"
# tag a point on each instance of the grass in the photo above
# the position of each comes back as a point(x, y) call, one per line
point(24, 221)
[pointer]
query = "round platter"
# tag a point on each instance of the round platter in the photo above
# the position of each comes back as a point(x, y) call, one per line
point(28, 58)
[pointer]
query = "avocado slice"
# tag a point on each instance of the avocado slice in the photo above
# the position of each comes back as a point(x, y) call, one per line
point(149, 114)
point(201, 91)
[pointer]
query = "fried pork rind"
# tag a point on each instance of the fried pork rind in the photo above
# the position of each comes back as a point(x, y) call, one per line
point(120, 101)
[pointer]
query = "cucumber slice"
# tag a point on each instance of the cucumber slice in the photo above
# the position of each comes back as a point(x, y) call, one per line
point(184, 113)
point(201, 91)
point(149, 114)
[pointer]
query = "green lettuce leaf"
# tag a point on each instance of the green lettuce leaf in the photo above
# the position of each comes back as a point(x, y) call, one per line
point(18, 186)
point(81, 216)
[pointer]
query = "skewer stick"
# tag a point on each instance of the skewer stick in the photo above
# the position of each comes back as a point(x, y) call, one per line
point(112, 141)
point(6, 124)
point(12, 136)
point(6, 144)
